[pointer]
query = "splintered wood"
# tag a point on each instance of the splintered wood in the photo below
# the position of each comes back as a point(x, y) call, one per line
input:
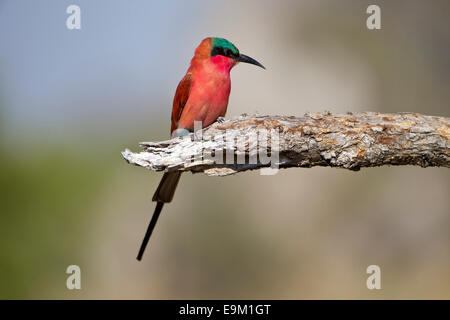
point(351, 141)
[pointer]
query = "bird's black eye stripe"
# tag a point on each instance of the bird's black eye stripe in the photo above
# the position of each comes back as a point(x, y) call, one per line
point(223, 52)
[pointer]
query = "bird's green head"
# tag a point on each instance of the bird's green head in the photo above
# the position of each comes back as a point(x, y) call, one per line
point(224, 48)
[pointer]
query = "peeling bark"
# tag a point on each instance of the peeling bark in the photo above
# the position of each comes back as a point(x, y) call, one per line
point(351, 141)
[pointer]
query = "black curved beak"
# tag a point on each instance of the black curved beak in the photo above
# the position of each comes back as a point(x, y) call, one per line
point(247, 59)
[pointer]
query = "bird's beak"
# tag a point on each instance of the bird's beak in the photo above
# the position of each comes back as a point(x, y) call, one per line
point(247, 59)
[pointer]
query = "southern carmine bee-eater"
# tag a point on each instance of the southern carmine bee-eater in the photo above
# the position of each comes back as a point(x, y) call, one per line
point(202, 95)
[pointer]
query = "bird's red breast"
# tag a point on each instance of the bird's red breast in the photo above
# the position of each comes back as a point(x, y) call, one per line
point(202, 94)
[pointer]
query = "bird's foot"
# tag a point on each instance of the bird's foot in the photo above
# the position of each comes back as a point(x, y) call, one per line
point(180, 132)
point(220, 119)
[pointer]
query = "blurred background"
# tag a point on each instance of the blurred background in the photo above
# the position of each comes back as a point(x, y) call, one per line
point(71, 100)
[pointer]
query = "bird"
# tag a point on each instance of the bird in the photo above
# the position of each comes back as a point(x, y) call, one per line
point(202, 95)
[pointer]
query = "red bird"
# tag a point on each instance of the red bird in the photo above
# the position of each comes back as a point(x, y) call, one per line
point(202, 95)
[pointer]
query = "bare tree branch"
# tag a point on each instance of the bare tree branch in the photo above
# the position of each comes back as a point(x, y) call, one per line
point(350, 141)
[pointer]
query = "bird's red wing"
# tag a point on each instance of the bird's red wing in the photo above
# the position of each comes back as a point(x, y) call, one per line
point(180, 99)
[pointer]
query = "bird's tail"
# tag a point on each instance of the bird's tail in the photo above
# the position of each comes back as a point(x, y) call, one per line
point(163, 194)
point(167, 186)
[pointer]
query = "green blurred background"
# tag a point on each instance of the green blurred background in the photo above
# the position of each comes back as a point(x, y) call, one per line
point(70, 101)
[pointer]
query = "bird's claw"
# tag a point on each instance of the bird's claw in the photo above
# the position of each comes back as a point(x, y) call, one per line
point(220, 120)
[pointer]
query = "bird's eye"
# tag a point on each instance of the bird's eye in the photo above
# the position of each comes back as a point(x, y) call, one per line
point(226, 52)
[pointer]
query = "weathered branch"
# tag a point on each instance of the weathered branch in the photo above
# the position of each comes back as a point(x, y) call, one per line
point(351, 141)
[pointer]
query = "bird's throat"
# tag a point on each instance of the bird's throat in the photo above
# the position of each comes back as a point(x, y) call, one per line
point(222, 64)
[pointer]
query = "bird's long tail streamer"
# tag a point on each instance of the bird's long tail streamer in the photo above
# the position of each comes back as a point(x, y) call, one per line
point(164, 194)
point(150, 228)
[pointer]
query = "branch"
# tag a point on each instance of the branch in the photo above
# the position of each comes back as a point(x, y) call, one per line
point(350, 141)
